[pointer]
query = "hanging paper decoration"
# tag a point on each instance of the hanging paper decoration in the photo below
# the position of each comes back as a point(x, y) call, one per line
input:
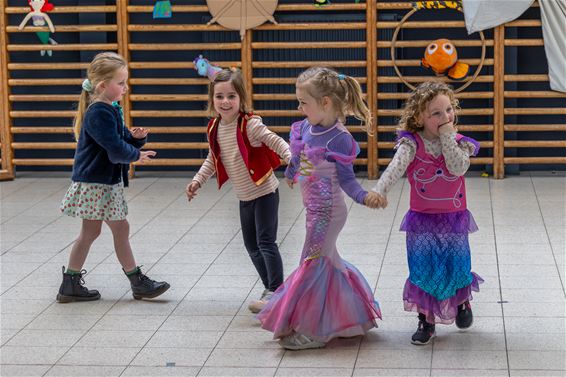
point(320, 3)
point(441, 56)
point(241, 14)
point(204, 68)
point(162, 9)
point(438, 4)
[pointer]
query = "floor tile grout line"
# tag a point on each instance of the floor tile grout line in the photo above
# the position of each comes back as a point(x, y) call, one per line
point(489, 183)
point(57, 190)
point(381, 266)
point(33, 180)
point(548, 236)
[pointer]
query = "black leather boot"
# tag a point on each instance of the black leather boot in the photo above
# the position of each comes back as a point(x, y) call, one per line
point(144, 287)
point(72, 289)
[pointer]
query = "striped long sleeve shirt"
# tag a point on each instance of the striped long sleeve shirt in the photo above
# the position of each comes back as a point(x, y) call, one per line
point(244, 186)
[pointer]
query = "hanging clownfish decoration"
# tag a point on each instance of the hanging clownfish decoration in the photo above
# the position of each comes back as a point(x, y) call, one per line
point(442, 58)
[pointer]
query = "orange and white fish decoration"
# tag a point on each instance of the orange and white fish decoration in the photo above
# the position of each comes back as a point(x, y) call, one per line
point(442, 58)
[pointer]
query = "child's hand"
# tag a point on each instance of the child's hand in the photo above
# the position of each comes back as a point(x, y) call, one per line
point(374, 200)
point(145, 156)
point(290, 182)
point(192, 189)
point(446, 128)
point(139, 133)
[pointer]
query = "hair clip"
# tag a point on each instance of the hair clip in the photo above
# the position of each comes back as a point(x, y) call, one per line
point(341, 76)
point(87, 86)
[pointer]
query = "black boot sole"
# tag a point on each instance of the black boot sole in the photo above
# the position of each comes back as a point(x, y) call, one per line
point(63, 299)
point(417, 343)
point(154, 294)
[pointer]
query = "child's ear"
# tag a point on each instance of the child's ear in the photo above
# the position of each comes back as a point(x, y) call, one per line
point(325, 102)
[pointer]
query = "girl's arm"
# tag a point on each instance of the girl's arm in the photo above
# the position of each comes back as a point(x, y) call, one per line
point(206, 170)
point(103, 128)
point(343, 145)
point(404, 155)
point(259, 133)
point(296, 147)
point(457, 155)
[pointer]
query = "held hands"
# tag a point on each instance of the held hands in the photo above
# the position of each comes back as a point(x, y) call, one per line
point(145, 156)
point(139, 133)
point(290, 182)
point(374, 200)
point(192, 189)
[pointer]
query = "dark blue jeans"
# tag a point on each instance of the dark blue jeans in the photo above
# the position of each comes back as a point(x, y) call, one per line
point(259, 219)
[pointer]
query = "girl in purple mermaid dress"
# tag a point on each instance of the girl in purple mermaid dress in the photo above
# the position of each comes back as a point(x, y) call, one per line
point(325, 297)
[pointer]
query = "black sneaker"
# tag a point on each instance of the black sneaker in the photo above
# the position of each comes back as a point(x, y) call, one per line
point(425, 332)
point(464, 318)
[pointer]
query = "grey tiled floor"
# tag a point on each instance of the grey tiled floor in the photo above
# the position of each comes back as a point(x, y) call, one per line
point(201, 325)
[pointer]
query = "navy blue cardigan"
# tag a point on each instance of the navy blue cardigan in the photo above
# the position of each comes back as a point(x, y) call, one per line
point(105, 147)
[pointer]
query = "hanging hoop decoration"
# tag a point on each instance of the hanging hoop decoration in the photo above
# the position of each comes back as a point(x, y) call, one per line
point(417, 7)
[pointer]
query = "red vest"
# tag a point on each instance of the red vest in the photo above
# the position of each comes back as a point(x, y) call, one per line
point(260, 161)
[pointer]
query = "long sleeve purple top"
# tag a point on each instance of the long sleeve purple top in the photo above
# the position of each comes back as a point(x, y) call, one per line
point(341, 142)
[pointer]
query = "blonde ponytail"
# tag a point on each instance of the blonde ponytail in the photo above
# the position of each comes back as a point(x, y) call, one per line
point(81, 109)
point(355, 104)
point(344, 92)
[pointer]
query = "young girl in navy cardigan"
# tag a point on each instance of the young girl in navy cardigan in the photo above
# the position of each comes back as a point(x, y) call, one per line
point(100, 172)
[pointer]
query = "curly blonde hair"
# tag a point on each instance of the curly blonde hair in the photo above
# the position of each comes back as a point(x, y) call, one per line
point(344, 92)
point(418, 101)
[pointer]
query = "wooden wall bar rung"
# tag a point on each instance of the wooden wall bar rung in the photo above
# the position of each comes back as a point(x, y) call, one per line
point(307, 45)
point(183, 46)
point(314, 26)
point(64, 28)
point(45, 66)
point(535, 111)
point(43, 97)
point(306, 64)
point(174, 8)
point(42, 114)
point(63, 9)
point(417, 63)
point(200, 27)
point(461, 95)
point(175, 65)
point(534, 94)
point(44, 82)
point(535, 144)
point(169, 97)
point(289, 80)
point(535, 127)
point(535, 160)
point(419, 79)
point(42, 130)
point(66, 47)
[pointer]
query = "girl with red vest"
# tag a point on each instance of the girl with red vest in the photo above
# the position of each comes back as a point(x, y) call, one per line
point(435, 157)
point(243, 149)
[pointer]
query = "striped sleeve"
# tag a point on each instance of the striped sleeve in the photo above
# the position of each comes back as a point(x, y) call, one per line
point(206, 170)
point(258, 133)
